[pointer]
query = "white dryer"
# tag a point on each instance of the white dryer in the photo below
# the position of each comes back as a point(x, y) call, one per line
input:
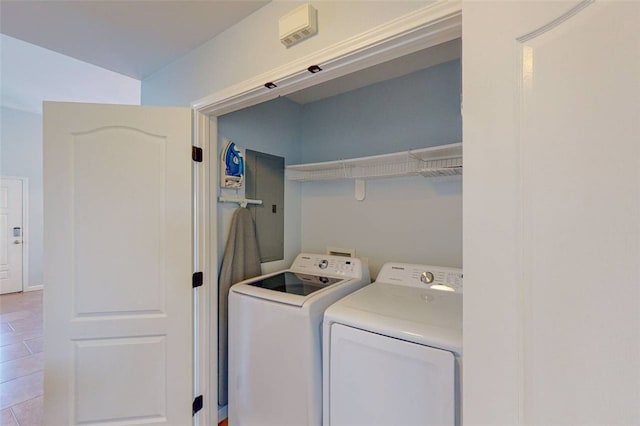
point(393, 350)
point(275, 324)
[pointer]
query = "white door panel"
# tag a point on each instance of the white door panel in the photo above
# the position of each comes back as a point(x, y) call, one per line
point(147, 379)
point(118, 265)
point(11, 241)
point(552, 201)
point(134, 238)
point(379, 380)
point(581, 217)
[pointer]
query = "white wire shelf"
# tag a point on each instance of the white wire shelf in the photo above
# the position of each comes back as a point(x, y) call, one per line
point(443, 160)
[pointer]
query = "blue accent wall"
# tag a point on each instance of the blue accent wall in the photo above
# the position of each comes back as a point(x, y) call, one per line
point(411, 219)
point(414, 111)
point(418, 110)
point(272, 127)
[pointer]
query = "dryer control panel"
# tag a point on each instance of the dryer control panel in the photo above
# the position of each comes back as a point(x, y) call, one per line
point(422, 276)
point(328, 265)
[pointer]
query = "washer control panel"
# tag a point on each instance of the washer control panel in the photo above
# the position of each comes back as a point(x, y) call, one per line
point(422, 276)
point(324, 264)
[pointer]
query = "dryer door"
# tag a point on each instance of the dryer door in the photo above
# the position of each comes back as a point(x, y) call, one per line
point(378, 380)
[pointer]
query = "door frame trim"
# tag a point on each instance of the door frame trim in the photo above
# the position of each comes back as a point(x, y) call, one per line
point(25, 232)
point(203, 233)
point(422, 28)
point(428, 26)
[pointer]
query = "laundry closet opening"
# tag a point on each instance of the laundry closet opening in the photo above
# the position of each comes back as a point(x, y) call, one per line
point(399, 106)
point(406, 105)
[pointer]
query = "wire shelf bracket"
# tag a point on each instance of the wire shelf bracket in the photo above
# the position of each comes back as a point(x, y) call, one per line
point(243, 202)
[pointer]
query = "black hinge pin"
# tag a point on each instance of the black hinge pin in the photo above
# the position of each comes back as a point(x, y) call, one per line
point(196, 154)
point(197, 279)
point(197, 404)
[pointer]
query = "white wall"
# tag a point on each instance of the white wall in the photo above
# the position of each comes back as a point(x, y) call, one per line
point(30, 75)
point(252, 47)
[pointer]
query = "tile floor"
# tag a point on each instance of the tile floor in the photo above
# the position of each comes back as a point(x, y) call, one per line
point(21, 360)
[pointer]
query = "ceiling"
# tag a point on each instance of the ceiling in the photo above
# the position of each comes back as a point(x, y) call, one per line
point(134, 38)
point(404, 65)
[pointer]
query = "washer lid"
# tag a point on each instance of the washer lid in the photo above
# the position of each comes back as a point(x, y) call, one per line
point(292, 288)
point(425, 316)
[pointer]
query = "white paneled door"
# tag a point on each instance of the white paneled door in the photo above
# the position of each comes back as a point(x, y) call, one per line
point(11, 235)
point(118, 265)
point(552, 212)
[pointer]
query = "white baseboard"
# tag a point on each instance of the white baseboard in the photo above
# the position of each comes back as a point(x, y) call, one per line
point(33, 288)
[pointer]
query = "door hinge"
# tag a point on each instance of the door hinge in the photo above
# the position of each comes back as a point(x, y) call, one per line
point(196, 154)
point(197, 404)
point(197, 279)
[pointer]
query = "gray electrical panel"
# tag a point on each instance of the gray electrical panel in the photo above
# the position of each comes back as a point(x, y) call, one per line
point(264, 180)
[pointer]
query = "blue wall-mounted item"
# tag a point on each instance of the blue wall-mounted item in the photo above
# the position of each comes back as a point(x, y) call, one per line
point(232, 167)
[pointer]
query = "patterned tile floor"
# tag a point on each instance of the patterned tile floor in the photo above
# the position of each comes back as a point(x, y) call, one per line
point(21, 360)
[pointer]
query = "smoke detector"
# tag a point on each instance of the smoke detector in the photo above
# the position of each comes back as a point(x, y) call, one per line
point(300, 23)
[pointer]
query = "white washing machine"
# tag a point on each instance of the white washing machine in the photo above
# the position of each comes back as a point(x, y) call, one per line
point(275, 324)
point(393, 350)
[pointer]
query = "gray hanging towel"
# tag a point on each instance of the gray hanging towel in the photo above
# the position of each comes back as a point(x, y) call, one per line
point(240, 261)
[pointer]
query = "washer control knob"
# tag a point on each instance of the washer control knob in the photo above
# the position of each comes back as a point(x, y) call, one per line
point(323, 264)
point(426, 277)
